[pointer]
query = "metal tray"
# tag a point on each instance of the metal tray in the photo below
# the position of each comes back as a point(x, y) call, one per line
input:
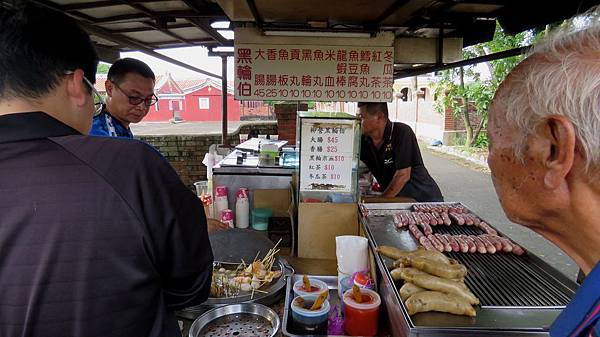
point(334, 301)
point(273, 292)
point(491, 320)
point(244, 320)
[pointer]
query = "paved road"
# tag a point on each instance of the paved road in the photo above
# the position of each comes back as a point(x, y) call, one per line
point(461, 181)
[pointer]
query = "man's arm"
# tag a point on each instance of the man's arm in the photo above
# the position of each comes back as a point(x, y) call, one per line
point(401, 177)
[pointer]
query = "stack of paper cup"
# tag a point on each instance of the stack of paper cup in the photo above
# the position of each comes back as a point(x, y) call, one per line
point(352, 256)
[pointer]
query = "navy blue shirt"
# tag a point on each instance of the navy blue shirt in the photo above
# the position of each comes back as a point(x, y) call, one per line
point(581, 318)
point(98, 235)
point(106, 125)
point(400, 150)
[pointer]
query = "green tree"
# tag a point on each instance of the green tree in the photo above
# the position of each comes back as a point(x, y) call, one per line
point(102, 68)
point(465, 91)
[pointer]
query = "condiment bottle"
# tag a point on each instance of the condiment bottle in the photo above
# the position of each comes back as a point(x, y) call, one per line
point(221, 201)
point(242, 208)
point(227, 217)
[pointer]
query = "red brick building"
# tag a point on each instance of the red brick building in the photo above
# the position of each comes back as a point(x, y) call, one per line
point(196, 100)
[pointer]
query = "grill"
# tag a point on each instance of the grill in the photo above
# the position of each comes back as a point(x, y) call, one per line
point(488, 274)
point(522, 294)
point(508, 281)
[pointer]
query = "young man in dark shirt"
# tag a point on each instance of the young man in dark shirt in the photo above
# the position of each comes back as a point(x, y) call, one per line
point(391, 152)
point(98, 235)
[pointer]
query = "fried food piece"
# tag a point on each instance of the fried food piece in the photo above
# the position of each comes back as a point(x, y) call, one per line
point(409, 289)
point(391, 252)
point(306, 282)
point(431, 282)
point(436, 301)
point(319, 301)
point(447, 271)
point(356, 294)
point(398, 272)
point(396, 253)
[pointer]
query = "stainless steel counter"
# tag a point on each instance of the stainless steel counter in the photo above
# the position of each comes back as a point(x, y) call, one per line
point(250, 175)
point(521, 295)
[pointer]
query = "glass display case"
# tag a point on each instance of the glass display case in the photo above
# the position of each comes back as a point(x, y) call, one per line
point(329, 146)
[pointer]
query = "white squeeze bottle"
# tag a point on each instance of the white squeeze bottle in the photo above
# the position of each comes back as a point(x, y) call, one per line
point(242, 208)
point(221, 202)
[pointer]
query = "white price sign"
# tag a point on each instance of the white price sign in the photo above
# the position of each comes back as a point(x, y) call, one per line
point(326, 155)
point(313, 73)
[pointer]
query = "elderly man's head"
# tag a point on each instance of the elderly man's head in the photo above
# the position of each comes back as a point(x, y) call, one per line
point(544, 128)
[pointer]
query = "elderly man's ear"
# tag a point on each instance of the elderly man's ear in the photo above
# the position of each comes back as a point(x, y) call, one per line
point(554, 148)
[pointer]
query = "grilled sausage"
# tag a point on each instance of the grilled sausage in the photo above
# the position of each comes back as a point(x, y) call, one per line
point(436, 243)
point(444, 241)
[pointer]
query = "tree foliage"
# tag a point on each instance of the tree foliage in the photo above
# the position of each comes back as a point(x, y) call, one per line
point(102, 68)
point(468, 91)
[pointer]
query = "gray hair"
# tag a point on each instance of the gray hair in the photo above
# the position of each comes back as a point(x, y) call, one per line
point(562, 77)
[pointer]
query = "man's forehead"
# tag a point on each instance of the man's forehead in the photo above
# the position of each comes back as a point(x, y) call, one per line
point(513, 81)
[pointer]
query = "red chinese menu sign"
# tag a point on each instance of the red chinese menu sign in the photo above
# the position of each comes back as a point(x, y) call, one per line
point(313, 73)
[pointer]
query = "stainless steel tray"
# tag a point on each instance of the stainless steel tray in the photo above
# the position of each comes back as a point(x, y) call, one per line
point(243, 320)
point(334, 301)
point(273, 292)
point(490, 320)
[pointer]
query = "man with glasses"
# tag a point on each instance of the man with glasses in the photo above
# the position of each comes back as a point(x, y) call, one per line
point(98, 235)
point(130, 90)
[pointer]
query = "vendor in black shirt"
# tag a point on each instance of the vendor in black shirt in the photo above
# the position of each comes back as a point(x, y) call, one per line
point(391, 152)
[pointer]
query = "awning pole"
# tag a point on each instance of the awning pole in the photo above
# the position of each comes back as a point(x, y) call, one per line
point(225, 138)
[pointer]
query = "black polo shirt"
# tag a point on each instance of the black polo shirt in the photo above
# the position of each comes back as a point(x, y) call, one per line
point(400, 150)
point(98, 236)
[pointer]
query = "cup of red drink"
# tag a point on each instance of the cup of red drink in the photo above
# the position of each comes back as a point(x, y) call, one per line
point(361, 319)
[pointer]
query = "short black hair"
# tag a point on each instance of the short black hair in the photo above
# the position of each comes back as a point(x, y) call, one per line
point(38, 46)
point(122, 67)
point(375, 107)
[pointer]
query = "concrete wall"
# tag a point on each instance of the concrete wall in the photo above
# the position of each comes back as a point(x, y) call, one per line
point(185, 153)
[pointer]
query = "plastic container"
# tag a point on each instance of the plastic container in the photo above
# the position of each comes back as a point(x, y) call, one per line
point(227, 217)
point(242, 208)
point(260, 218)
point(361, 319)
point(317, 287)
point(310, 322)
point(221, 202)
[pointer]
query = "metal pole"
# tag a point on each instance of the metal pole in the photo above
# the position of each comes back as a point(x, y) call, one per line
point(225, 138)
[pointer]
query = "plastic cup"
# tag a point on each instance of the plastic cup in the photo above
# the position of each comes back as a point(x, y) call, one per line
point(310, 322)
point(317, 286)
point(201, 188)
point(361, 319)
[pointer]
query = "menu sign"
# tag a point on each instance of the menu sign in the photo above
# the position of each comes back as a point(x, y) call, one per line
point(327, 154)
point(313, 73)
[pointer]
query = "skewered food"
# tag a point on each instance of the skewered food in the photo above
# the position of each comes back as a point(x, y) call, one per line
point(244, 278)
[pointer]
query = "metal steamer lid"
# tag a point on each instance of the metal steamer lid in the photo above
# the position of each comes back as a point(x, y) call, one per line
point(242, 320)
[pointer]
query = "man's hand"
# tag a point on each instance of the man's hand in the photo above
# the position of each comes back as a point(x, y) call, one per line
point(401, 177)
point(215, 225)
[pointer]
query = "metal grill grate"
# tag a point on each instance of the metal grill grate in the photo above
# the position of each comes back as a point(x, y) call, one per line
point(457, 230)
point(502, 279)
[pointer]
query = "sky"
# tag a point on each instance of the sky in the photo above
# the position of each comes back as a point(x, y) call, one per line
point(195, 56)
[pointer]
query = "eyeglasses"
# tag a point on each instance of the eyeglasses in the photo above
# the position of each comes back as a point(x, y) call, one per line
point(134, 100)
point(98, 99)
